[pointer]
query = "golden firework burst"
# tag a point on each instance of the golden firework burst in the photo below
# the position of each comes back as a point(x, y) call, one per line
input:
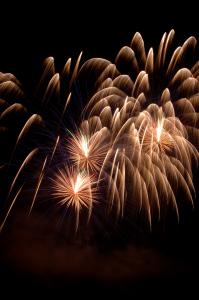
point(88, 148)
point(151, 112)
point(74, 190)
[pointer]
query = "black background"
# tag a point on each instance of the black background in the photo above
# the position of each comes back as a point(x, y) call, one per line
point(30, 32)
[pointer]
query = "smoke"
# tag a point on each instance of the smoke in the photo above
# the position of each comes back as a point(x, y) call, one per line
point(32, 252)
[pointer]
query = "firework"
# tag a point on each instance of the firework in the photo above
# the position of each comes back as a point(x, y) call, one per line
point(152, 115)
point(135, 147)
point(88, 147)
point(42, 130)
point(74, 189)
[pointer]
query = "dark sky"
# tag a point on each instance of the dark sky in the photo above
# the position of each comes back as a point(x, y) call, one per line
point(31, 32)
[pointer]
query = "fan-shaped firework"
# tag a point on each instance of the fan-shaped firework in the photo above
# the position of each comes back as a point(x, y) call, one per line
point(152, 114)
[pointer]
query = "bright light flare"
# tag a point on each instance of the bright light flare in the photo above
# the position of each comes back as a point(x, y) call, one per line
point(84, 145)
point(78, 184)
point(159, 129)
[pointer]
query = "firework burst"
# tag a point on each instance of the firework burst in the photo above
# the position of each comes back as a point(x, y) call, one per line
point(150, 105)
point(88, 148)
point(74, 189)
point(41, 130)
point(137, 142)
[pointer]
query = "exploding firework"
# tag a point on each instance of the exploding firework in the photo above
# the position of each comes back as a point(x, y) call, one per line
point(88, 148)
point(74, 189)
point(150, 106)
point(135, 146)
point(32, 139)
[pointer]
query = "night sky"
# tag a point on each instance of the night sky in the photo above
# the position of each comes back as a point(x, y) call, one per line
point(37, 259)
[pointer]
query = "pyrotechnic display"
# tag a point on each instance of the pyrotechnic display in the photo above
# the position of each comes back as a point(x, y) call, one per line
point(128, 151)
